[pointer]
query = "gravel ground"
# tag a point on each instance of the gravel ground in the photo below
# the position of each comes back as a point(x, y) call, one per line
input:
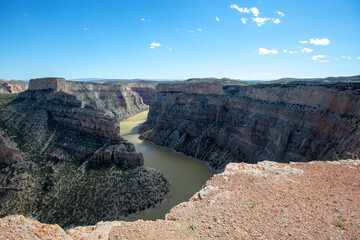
point(317, 200)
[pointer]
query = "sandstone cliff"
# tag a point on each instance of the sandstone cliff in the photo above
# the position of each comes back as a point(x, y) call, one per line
point(317, 200)
point(278, 122)
point(75, 168)
point(13, 86)
point(146, 89)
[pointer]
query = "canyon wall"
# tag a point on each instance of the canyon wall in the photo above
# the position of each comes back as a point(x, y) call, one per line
point(146, 89)
point(13, 86)
point(66, 148)
point(278, 122)
point(93, 108)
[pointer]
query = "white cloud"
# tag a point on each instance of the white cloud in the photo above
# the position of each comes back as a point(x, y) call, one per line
point(27, 15)
point(293, 52)
point(217, 19)
point(177, 30)
point(323, 60)
point(285, 51)
point(170, 49)
point(265, 51)
point(358, 58)
point(346, 57)
point(86, 29)
point(255, 11)
point(280, 13)
point(191, 31)
point(154, 45)
point(317, 57)
point(317, 41)
point(242, 10)
point(199, 29)
point(145, 20)
point(302, 42)
point(306, 50)
point(260, 21)
point(276, 20)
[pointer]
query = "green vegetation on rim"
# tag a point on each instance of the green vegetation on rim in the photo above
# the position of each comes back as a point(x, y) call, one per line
point(6, 98)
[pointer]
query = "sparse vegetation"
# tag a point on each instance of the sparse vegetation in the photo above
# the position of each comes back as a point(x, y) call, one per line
point(192, 227)
point(250, 179)
point(340, 224)
point(6, 98)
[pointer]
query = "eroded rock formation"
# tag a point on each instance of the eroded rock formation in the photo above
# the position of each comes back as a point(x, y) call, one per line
point(146, 89)
point(13, 86)
point(8, 155)
point(76, 169)
point(278, 122)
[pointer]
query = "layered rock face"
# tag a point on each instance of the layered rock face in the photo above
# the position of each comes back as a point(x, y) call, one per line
point(146, 89)
point(75, 168)
point(278, 122)
point(13, 86)
point(55, 84)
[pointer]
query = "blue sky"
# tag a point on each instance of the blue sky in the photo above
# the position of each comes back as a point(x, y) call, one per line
point(179, 39)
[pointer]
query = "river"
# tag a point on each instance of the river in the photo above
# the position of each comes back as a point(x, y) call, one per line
point(185, 175)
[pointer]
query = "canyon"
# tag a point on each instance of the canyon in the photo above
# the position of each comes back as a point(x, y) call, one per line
point(219, 124)
point(66, 148)
point(286, 152)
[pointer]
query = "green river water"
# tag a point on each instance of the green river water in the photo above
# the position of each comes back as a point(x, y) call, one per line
point(185, 175)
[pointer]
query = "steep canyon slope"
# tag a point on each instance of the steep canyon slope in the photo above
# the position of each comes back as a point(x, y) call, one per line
point(278, 122)
point(75, 167)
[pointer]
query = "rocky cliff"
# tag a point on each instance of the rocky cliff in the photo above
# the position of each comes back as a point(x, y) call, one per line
point(8, 155)
point(278, 122)
point(146, 89)
point(13, 86)
point(247, 201)
point(67, 135)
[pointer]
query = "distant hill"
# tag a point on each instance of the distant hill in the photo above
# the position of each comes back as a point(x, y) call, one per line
point(102, 80)
point(228, 81)
point(222, 81)
point(349, 79)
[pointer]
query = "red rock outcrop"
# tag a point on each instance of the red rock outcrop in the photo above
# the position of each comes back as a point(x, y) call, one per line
point(13, 86)
point(316, 200)
point(278, 122)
